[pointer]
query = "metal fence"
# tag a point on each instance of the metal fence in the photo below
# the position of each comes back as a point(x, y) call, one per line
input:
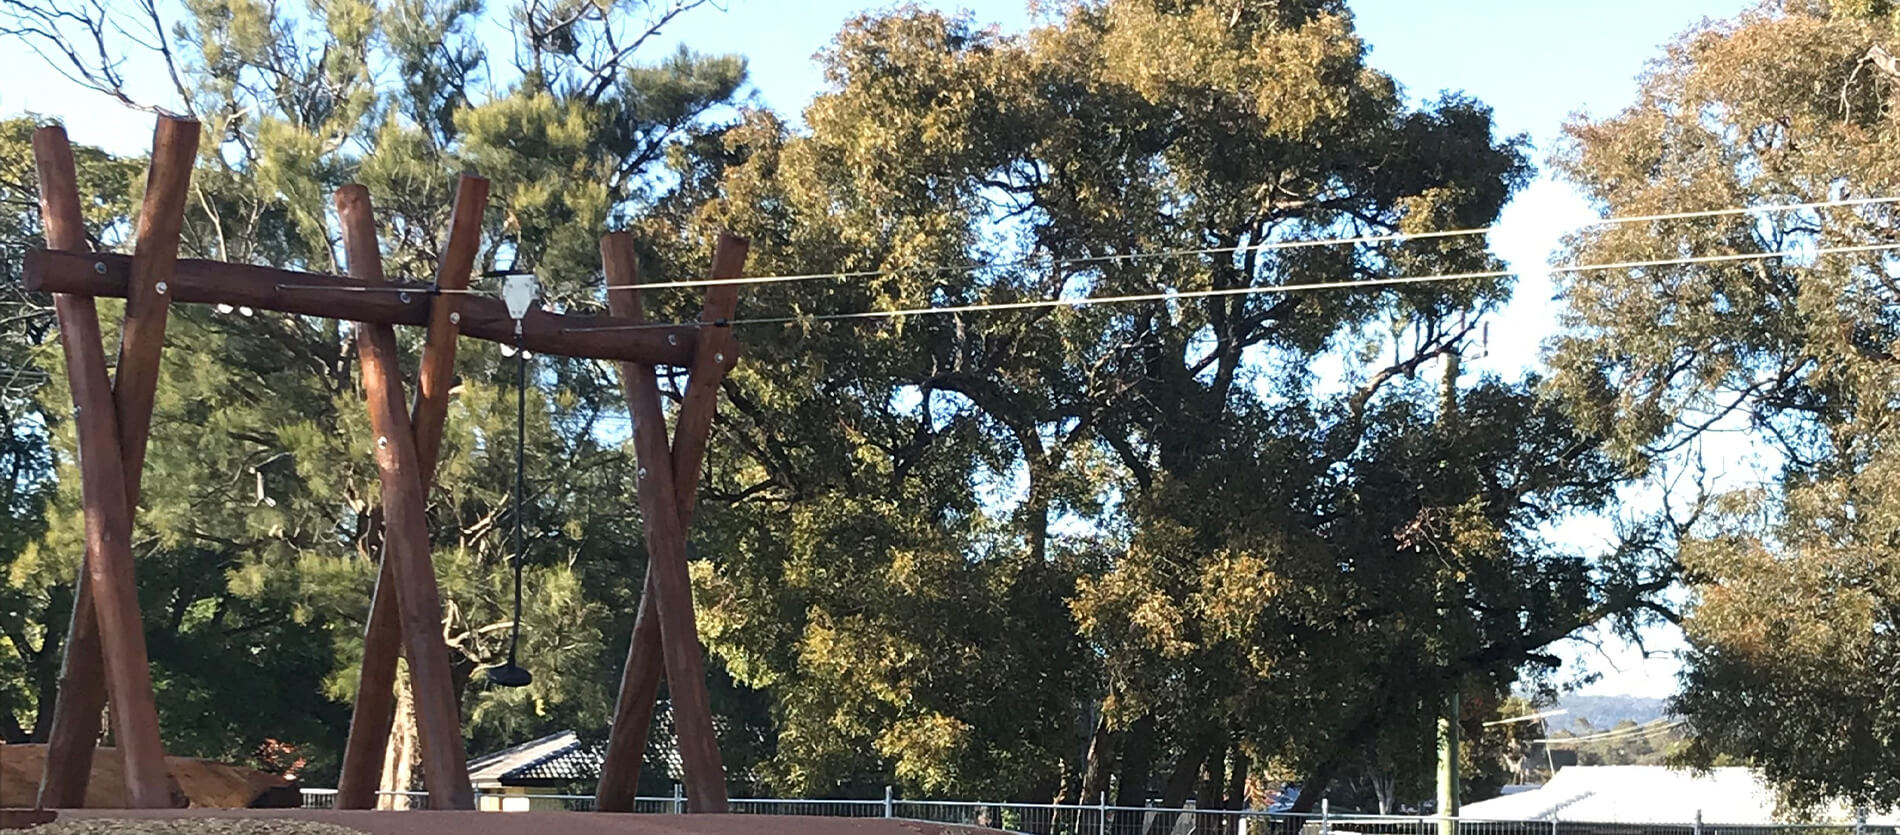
point(1053, 819)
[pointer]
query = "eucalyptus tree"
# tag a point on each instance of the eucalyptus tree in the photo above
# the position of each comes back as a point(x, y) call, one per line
point(1794, 585)
point(1256, 565)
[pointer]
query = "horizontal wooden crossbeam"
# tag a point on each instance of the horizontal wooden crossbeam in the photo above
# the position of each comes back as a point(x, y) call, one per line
point(336, 297)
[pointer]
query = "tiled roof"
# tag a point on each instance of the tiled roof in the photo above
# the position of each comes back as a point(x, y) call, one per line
point(561, 758)
point(569, 764)
point(556, 758)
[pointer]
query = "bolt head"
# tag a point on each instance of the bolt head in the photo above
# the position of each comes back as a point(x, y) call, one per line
point(161, 288)
point(99, 267)
point(672, 339)
point(643, 472)
point(403, 297)
point(719, 358)
point(455, 318)
point(382, 442)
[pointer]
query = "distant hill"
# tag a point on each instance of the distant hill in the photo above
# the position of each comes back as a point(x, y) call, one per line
point(1603, 712)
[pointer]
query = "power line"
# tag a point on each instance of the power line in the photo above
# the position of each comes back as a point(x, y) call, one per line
point(1262, 247)
point(1529, 717)
point(1616, 735)
point(1089, 301)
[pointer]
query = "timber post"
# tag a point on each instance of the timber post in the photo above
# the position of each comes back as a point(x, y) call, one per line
point(107, 654)
point(714, 356)
point(375, 709)
point(107, 624)
point(406, 528)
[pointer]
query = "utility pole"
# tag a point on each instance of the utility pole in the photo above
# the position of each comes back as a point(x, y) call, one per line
point(1448, 782)
point(1448, 766)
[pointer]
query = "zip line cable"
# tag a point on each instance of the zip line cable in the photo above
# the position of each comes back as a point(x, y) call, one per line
point(1088, 301)
point(1270, 246)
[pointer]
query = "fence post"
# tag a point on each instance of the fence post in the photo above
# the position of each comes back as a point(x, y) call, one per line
point(1698, 822)
point(1102, 819)
point(679, 799)
point(1553, 823)
point(1326, 816)
point(1860, 821)
point(890, 804)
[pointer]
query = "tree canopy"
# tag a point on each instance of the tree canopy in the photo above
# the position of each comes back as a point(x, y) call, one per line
point(1164, 549)
point(1795, 585)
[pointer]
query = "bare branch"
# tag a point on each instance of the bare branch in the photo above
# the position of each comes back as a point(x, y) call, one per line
point(82, 43)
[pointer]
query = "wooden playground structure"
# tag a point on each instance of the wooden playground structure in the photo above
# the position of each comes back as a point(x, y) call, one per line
point(105, 650)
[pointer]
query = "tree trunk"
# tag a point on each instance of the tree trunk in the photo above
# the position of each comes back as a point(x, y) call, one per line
point(1131, 790)
point(1213, 775)
point(1101, 759)
point(46, 698)
point(1039, 820)
point(1076, 763)
point(1213, 781)
point(1069, 781)
point(1314, 787)
point(1385, 788)
point(10, 731)
point(1181, 781)
point(1237, 782)
point(403, 751)
point(47, 662)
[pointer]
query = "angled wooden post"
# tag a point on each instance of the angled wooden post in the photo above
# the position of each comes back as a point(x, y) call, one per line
point(405, 528)
point(121, 659)
point(375, 708)
point(646, 654)
point(82, 675)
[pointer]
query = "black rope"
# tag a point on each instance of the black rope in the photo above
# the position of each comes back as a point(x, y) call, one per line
point(521, 442)
point(511, 674)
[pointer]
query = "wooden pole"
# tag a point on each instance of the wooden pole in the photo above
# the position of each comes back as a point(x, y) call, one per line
point(109, 569)
point(335, 297)
point(640, 680)
point(154, 253)
point(405, 528)
point(82, 676)
point(375, 708)
point(112, 438)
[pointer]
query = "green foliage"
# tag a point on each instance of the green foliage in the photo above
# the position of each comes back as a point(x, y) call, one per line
point(950, 552)
point(1238, 552)
point(1796, 602)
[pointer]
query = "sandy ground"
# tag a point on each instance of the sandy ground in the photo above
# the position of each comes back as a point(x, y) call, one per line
point(543, 823)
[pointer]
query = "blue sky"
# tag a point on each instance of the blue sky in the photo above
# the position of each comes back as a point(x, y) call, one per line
point(1536, 62)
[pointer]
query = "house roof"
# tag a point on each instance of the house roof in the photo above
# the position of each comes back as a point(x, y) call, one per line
point(559, 759)
point(553, 759)
point(1645, 794)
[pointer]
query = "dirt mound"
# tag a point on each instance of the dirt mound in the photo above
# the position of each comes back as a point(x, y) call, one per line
point(205, 783)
